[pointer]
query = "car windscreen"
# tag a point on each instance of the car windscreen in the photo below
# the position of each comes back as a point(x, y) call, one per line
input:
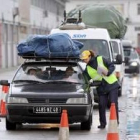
point(134, 55)
point(100, 47)
point(49, 72)
point(127, 52)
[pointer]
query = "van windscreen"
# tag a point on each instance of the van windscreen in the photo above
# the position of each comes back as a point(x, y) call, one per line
point(100, 47)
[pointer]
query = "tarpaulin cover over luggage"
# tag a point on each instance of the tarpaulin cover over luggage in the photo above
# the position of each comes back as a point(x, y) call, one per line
point(102, 16)
point(55, 45)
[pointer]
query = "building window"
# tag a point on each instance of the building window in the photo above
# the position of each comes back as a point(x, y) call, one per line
point(138, 9)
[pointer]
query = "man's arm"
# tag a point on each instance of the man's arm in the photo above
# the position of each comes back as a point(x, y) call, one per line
point(85, 73)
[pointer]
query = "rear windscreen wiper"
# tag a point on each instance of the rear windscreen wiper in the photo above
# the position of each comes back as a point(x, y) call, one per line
point(63, 82)
point(27, 81)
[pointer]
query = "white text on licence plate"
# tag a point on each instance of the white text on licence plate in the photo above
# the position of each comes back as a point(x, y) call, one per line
point(42, 109)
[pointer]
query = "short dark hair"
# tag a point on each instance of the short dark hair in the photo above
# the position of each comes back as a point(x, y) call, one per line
point(92, 53)
point(28, 72)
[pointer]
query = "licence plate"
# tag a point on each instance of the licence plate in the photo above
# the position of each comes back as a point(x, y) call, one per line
point(42, 109)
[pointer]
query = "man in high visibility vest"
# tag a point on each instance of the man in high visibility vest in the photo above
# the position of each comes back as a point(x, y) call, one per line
point(101, 69)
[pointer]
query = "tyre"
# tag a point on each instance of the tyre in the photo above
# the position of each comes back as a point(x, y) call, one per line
point(9, 125)
point(86, 125)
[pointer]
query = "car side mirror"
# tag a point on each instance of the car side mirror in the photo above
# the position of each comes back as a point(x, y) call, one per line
point(118, 59)
point(4, 83)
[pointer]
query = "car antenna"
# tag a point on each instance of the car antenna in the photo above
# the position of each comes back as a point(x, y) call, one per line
point(65, 17)
point(80, 19)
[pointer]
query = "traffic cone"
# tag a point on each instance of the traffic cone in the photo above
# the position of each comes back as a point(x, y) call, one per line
point(5, 90)
point(1, 98)
point(113, 125)
point(64, 127)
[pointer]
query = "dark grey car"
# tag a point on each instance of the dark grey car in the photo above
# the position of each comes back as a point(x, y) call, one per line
point(40, 90)
point(133, 63)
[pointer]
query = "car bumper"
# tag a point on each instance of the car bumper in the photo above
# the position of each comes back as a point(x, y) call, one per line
point(24, 114)
point(132, 69)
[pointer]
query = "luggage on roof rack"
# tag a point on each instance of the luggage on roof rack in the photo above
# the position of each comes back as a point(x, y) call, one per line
point(58, 45)
point(101, 16)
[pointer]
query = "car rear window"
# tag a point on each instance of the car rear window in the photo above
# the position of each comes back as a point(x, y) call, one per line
point(50, 72)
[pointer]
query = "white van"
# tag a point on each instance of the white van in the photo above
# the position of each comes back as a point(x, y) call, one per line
point(119, 68)
point(96, 39)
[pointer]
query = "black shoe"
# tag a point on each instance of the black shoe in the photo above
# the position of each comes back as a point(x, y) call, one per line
point(101, 126)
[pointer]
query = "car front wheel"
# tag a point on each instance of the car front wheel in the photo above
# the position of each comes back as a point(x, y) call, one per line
point(9, 125)
point(86, 125)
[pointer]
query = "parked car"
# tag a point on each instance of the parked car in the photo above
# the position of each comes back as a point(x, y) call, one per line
point(133, 65)
point(40, 90)
point(132, 61)
point(127, 48)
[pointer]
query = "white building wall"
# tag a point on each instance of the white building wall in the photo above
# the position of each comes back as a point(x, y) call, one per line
point(134, 17)
point(37, 23)
point(6, 9)
point(37, 18)
point(128, 8)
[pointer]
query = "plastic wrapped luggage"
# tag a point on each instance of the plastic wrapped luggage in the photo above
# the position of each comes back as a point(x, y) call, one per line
point(54, 45)
point(102, 16)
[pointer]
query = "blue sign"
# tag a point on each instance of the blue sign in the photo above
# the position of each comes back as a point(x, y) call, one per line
point(79, 36)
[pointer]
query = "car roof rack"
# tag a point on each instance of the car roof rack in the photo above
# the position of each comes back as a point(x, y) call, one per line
point(55, 59)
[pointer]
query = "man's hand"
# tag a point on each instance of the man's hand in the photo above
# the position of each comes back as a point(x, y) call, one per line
point(105, 73)
point(102, 71)
point(91, 81)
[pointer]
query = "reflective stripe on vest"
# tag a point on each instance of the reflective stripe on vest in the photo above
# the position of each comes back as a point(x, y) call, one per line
point(97, 77)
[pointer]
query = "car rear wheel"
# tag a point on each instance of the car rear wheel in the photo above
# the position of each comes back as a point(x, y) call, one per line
point(87, 124)
point(10, 126)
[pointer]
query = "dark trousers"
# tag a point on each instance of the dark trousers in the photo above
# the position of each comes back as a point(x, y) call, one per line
point(112, 96)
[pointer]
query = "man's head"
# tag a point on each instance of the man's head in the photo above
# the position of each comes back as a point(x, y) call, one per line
point(31, 71)
point(69, 71)
point(86, 55)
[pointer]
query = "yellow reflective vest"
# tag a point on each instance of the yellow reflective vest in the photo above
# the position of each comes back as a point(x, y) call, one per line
point(93, 73)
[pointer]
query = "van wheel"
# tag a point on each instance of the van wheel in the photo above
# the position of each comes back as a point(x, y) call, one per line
point(9, 125)
point(87, 124)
